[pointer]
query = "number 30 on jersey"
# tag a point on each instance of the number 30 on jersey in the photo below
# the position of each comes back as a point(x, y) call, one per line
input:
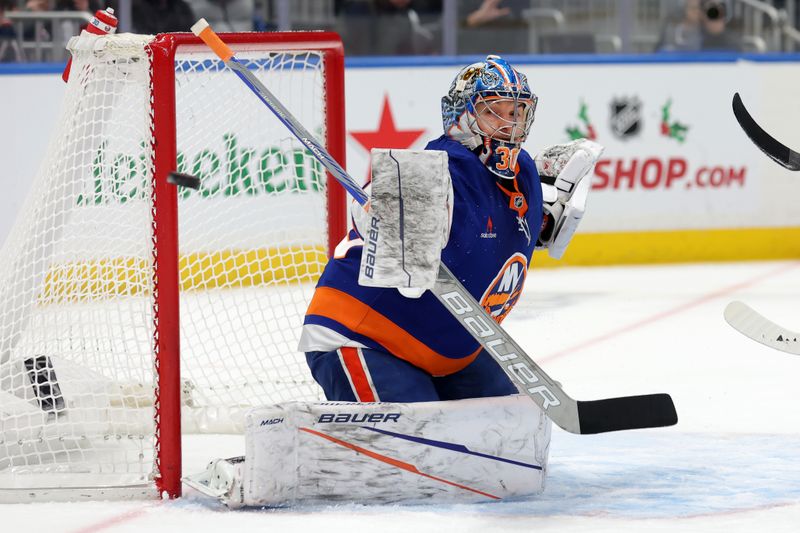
point(506, 157)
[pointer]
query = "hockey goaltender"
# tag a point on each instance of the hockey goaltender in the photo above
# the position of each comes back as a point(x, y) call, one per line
point(418, 410)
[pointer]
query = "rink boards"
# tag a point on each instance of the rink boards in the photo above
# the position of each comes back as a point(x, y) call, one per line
point(679, 180)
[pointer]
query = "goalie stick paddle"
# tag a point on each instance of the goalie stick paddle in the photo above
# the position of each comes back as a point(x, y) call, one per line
point(751, 323)
point(600, 416)
point(781, 154)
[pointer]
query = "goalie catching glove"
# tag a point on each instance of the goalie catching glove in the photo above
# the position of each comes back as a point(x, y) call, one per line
point(562, 168)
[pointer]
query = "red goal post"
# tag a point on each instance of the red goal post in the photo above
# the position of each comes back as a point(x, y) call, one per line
point(130, 307)
point(166, 303)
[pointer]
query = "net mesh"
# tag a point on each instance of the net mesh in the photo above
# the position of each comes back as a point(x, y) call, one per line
point(253, 237)
point(77, 378)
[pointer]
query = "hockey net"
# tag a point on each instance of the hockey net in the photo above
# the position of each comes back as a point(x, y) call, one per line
point(92, 276)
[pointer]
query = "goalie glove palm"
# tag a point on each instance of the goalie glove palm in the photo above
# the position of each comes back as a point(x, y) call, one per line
point(563, 169)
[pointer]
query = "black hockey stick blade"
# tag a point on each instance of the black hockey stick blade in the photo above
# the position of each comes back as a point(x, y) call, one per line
point(183, 180)
point(629, 412)
point(781, 154)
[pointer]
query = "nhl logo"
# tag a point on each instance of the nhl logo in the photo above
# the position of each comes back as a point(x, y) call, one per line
point(626, 116)
point(518, 202)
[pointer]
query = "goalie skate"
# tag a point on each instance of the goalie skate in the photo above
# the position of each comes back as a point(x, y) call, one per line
point(220, 480)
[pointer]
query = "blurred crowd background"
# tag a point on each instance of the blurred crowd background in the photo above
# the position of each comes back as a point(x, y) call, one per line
point(37, 30)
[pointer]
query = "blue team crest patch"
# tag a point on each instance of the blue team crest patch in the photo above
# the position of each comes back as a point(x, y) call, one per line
point(506, 288)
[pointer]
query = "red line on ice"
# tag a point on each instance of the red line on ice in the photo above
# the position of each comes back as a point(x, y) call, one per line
point(725, 291)
point(113, 521)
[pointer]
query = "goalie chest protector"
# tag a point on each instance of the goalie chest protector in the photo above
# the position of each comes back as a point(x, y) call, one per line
point(489, 251)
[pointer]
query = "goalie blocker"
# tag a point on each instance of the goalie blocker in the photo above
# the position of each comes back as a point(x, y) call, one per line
point(464, 451)
point(408, 224)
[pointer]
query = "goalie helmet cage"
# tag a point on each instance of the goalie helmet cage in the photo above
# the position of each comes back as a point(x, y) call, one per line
point(112, 335)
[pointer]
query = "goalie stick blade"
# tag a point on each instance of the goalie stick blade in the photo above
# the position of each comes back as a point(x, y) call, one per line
point(183, 180)
point(750, 323)
point(629, 412)
point(777, 151)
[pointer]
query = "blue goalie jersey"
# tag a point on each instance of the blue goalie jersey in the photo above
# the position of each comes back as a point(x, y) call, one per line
point(495, 226)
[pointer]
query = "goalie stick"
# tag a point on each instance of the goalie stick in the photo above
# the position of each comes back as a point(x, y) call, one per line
point(751, 323)
point(781, 154)
point(584, 417)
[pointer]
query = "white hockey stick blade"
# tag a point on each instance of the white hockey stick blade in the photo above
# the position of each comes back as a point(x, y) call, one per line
point(584, 417)
point(750, 323)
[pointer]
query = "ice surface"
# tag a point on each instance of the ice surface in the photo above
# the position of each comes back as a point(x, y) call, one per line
point(732, 464)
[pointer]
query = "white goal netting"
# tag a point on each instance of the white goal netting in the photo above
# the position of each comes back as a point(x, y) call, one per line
point(78, 377)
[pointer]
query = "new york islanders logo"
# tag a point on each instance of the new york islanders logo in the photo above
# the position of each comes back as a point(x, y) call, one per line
point(506, 288)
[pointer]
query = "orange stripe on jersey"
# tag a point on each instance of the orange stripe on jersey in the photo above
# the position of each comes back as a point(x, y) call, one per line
point(357, 372)
point(362, 319)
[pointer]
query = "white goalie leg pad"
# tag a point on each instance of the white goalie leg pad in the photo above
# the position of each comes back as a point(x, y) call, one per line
point(410, 214)
point(475, 450)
